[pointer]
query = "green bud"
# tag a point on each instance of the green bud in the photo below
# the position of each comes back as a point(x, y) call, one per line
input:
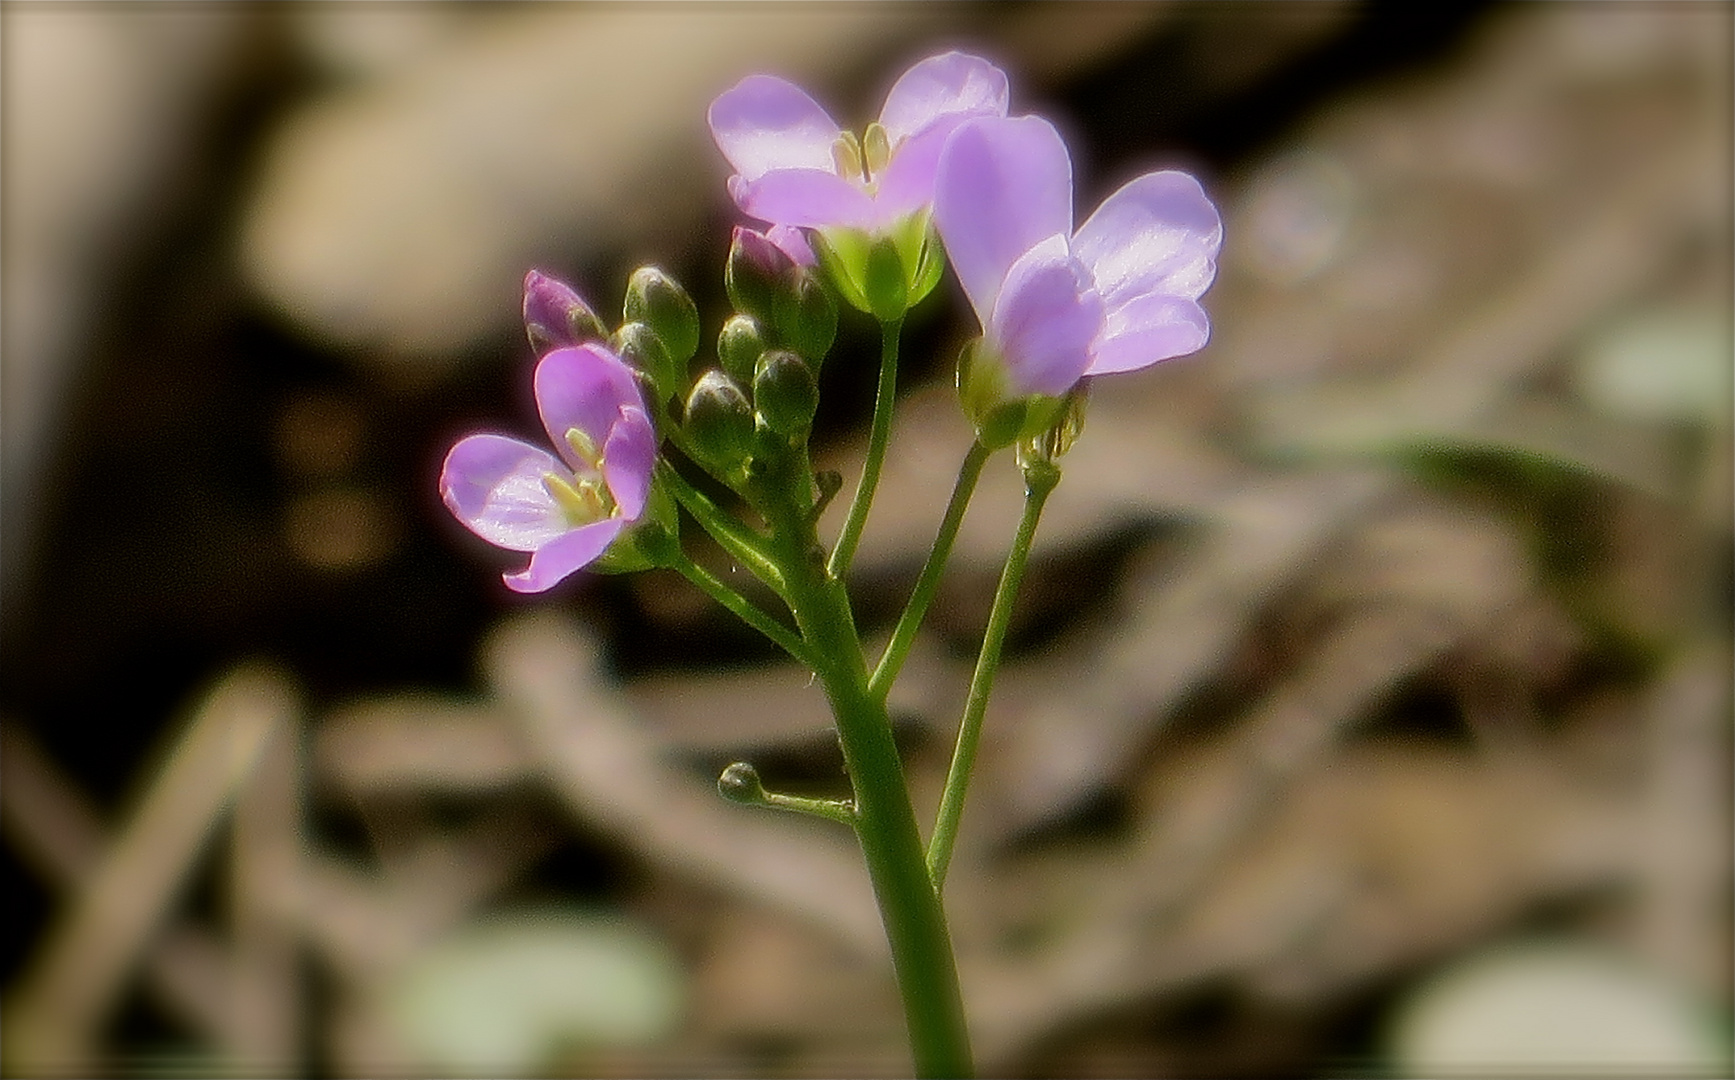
point(739, 346)
point(740, 783)
point(643, 349)
point(807, 316)
point(719, 422)
point(657, 300)
point(785, 393)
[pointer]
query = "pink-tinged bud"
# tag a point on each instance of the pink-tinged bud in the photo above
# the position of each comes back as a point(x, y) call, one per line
point(756, 272)
point(555, 316)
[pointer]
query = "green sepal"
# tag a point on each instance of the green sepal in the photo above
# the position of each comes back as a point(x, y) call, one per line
point(885, 282)
point(657, 300)
point(653, 541)
point(842, 255)
point(1000, 419)
point(930, 267)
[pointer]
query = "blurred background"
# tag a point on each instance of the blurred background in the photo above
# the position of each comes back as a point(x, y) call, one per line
point(1368, 707)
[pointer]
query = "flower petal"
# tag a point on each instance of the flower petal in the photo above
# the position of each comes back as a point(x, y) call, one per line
point(803, 197)
point(763, 123)
point(1148, 329)
point(1046, 319)
point(1002, 186)
point(494, 485)
point(628, 458)
point(907, 185)
point(793, 243)
point(583, 387)
point(1158, 234)
point(951, 85)
point(552, 563)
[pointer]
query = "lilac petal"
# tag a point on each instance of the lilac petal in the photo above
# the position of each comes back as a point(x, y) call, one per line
point(1046, 319)
point(793, 243)
point(583, 387)
point(1148, 329)
point(494, 485)
point(628, 458)
point(804, 197)
point(1158, 234)
point(553, 562)
point(923, 109)
point(951, 85)
point(1002, 186)
point(907, 185)
point(764, 123)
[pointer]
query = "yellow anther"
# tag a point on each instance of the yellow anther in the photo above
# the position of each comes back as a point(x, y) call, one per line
point(846, 155)
point(876, 150)
point(583, 501)
point(585, 447)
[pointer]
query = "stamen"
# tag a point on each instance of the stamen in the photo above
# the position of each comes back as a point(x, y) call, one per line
point(876, 150)
point(846, 155)
point(585, 447)
point(583, 501)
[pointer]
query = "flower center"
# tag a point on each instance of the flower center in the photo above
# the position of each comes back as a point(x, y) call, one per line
point(584, 496)
point(863, 160)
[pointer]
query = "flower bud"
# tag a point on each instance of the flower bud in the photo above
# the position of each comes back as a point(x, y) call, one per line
point(719, 422)
point(807, 316)
point(739, 346)
point(785, 393)
point(740, 783)
point(643, 349)
point(657, 300)
point(555, 316)
point(755, 273)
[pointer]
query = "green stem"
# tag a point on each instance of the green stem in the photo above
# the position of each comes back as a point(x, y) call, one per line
point(928, 583)
point(744, 609)
point(830, 809)
point(885, 822)
point(876, 453)
point(742, 544)
point(1038, 482)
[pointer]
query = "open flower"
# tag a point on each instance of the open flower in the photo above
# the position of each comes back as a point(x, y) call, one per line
point(565, 510)
point(1120, 294)
point(794, 166)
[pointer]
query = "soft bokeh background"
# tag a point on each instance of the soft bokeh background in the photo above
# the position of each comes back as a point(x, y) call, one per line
point(1367, 712)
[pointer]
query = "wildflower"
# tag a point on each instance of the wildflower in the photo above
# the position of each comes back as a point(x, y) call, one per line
point(565, 510)
point(1119, 294)
point(795, 167)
